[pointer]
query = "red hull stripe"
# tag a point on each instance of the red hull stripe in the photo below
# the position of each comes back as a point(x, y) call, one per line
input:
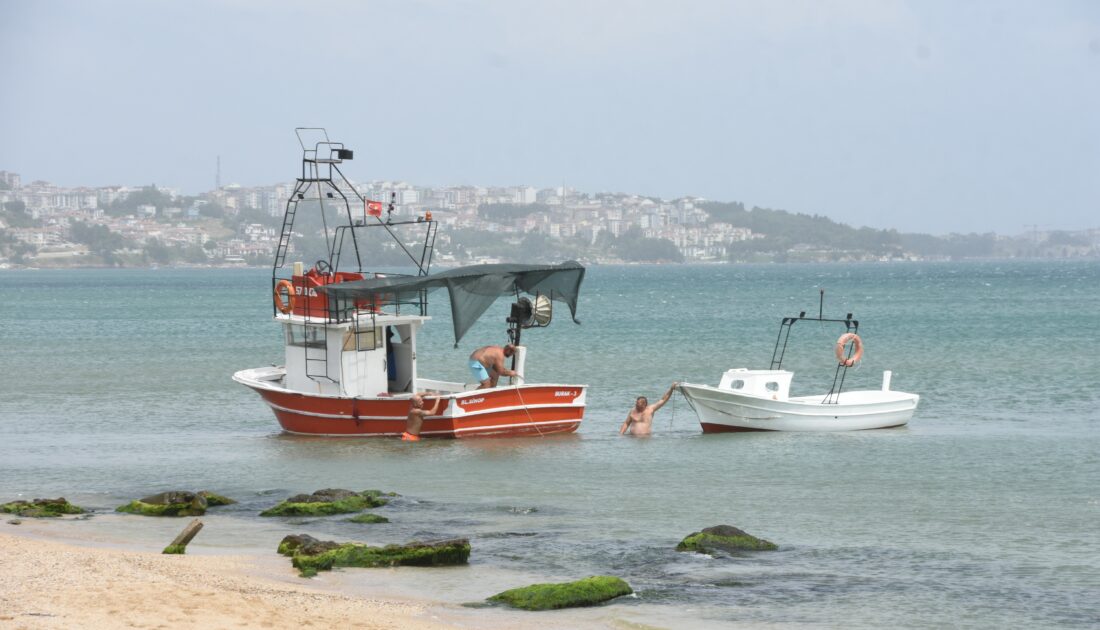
point(725, 428)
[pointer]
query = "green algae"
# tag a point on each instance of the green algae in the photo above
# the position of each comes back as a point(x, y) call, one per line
point(175, 503)
point(170, 509)
point(414, 554)
point(214, 500)
point(724, 538)
point(41, 508)
point(587, 592)
point(368, 519)
point(334, 502)
point(175, 549)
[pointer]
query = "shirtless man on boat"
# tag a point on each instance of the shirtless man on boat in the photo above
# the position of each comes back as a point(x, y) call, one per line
point(487, 364)
point(640, 419)
point(415, 420)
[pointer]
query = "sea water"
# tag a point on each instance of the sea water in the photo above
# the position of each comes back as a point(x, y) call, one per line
point(983, 512)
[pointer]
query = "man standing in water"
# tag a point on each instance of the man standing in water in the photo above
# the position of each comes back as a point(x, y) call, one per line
point(487, 365)
point(415, 420)
point(640, 419)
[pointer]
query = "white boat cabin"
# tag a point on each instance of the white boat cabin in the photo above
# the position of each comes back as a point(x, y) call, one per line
point(774, 384)
point(371, 355)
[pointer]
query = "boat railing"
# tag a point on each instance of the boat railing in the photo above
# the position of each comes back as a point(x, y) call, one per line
point(780, 350)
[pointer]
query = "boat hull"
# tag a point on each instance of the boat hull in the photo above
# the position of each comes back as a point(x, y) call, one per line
point(722, 411)
point(524, 410)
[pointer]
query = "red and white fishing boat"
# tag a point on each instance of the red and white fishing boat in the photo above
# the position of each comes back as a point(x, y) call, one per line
point(351, 336)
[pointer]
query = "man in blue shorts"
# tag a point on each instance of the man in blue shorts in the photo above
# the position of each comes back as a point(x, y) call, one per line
point(487, 365)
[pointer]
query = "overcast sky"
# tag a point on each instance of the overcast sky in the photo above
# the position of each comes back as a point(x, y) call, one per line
point(922, 116)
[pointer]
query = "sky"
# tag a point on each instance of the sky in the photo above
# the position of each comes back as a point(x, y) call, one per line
point(926, 116)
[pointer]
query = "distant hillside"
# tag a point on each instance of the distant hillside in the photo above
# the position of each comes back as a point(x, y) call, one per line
point(786, 231)
point(789, 236)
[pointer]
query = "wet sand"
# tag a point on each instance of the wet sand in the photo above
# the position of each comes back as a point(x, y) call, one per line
point(49, 584)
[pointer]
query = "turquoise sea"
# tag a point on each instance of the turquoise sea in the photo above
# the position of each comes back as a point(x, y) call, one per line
point(983, 513)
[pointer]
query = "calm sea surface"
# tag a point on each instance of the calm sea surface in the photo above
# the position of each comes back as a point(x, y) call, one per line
point(983, 512)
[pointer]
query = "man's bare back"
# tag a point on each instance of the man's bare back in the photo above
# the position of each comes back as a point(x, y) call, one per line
point(487, 364)
point(640, 419)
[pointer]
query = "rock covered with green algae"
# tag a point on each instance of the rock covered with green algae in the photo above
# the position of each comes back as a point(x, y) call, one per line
point(368, 519)
point(724, 538)
point(587, 592)
point(308, 545)
point(175, 503)
point(41, 508)
point(214, 500)
point(310, 555)
point(329, 501)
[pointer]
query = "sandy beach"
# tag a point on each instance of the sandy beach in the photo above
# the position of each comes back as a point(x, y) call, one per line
point(49, 584)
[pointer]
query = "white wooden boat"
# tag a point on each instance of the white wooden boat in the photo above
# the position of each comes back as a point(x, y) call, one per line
point(760, 400)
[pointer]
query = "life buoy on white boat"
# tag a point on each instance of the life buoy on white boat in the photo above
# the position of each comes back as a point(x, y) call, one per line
point(843, 341)
point(284, 307)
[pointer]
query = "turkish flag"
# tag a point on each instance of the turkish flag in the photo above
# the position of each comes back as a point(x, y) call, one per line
point(374, 208)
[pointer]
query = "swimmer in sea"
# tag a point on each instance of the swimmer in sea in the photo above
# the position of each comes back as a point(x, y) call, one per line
point(640, 419)
point(415, 420)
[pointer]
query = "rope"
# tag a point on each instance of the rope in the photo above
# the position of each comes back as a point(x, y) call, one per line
point(674, 404)
point(529, 418)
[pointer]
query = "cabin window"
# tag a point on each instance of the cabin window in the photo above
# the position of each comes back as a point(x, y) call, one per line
point(362, 339)
point(738, 384)
point(309, 336)
point(771, 386)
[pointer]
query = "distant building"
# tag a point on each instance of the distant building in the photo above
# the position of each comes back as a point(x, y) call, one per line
point(9, 180)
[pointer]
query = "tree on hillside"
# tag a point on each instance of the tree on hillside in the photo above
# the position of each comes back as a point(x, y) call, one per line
point(146, 196)
point(634, 247)
point(15, 215)
point(98, 238)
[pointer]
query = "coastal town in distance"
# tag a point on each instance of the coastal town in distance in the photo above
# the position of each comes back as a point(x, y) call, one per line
point(47, 225)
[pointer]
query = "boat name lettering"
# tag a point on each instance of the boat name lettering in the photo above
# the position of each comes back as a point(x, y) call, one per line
point(311, 291)
point(565, 393)
point(471, 401)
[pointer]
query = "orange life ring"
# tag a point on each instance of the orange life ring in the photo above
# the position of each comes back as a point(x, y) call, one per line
point(843, 341)
point(288, 305)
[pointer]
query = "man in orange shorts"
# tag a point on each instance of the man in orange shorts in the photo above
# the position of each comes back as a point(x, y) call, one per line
point(415, 420)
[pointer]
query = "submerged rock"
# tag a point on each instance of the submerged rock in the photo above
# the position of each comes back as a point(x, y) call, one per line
point(175, 503)
point(310, 555)
point(724, 538)
point(214, 500)
point(329, 501)
point(41, 508)
point(306, 544)
point(587, 592)
point(369, 519)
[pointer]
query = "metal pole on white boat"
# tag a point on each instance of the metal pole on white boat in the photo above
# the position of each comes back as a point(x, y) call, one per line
point(886, 375)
